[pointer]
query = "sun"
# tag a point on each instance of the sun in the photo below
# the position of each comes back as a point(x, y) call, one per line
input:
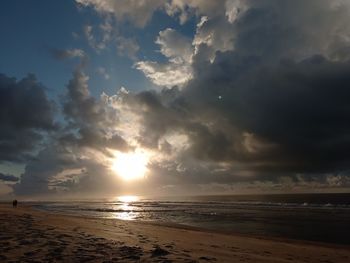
point(130, 166)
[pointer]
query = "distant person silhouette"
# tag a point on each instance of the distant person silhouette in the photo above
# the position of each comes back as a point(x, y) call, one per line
point(14, 203)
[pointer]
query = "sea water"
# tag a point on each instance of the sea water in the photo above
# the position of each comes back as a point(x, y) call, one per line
point(313, 217)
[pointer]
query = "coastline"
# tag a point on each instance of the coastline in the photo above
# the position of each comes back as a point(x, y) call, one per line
point(30, 235)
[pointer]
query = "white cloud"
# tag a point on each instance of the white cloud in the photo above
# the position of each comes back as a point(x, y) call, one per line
point(140, 12)
point(214, 33)
point(213, 30)
point(178, 70)
point(167, 75)
point(175, 46)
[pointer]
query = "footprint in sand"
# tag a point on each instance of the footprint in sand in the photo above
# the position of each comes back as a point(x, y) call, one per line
point(207, 258)
point(29, 253)
point(158, 252)
point(169, 246)
point(25, 242)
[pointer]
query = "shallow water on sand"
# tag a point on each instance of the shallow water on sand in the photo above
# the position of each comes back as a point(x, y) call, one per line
point(314, 217)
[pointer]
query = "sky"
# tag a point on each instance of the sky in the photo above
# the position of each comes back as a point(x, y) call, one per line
point(174, 97)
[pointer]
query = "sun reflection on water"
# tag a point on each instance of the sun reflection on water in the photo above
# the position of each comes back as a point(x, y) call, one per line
point(126, 212)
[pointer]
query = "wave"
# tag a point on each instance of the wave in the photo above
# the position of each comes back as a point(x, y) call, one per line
point(234, 204)
point(129, 210)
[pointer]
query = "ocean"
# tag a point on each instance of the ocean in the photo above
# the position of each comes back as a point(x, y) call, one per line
point(312, 217)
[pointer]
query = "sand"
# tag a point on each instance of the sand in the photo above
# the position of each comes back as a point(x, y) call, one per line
point(28, 235)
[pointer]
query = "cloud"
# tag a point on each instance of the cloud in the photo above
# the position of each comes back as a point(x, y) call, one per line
point(8, 177)
point(268, 28)
point(85, 144)
point(94, 121)
point(167, 75)
point(178, 71)
point(290, 106)
point(282, 119)
point(215, 34)
point(79, 107)
point(175, 46)
point(95, 139)
point(103, 72)
point(66, 54)
point(49, 161)
point(137, 12)
point(25, 115)
point(62, 54)
point(127, 47)
point(100, 38)
point(261, 108)
point(141, 12)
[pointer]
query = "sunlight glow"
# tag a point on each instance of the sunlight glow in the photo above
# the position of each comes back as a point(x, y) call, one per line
point(127, 198)
point(130, 166)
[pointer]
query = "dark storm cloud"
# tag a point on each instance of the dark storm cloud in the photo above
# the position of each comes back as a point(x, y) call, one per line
point(295, 29)
point(301, 108)
point(25, 114)
point(8, 177)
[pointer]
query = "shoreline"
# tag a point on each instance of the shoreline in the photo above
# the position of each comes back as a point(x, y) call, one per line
point(203, 229)
point(29, 234)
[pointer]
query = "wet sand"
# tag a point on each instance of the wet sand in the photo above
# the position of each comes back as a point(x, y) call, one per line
point(27, 235)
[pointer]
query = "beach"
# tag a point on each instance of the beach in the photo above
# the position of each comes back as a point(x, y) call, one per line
point(29, 235)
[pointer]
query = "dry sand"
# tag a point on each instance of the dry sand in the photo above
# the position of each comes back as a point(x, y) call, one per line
point(27, 235)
